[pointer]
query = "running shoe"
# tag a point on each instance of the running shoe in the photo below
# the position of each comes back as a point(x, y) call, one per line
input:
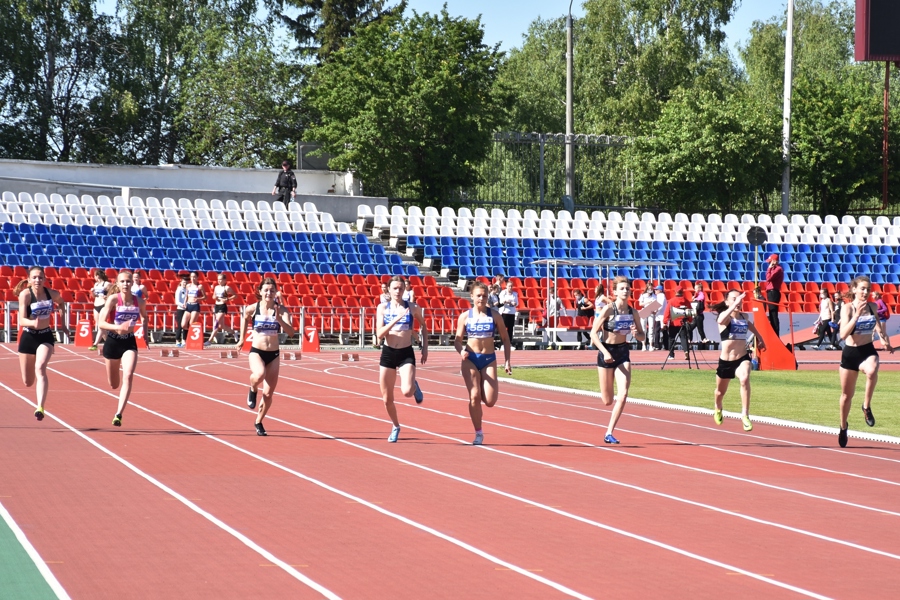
point(417, 393)
point(251, 399)
point(93, 348)
point(842, 438)
point(479, 438)
point(206, 344)
point(748, 426)
point(260, 430)
point(39, 413)
point(870, 418)
point(609, 439)
point(117, 420)
point(717, 417)
point(395, 433)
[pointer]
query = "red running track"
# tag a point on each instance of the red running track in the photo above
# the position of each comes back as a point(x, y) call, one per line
point(186, 501)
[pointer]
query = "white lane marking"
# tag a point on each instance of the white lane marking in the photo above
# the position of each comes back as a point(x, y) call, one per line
point(557, 511)
point(208, 516)
point(33, 554)
point(323, 485)
point(608, 449)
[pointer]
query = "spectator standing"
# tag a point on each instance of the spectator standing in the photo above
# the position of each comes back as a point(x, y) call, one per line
point(583, 308)
point(494, 297)
point(385, 296)
point(661, 340)
point(699, 305)
point(509, 302)
point(286, 184)
point(646, 299)
point(774, 280)
point(552, 307)
point(180, 301)
point(838, 301)
point(826, 317)
point(677, 327)
point(882, 311)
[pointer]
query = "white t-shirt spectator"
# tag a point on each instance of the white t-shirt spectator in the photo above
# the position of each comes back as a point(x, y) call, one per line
point(663, 305)
point(554, 306)
point(508, 302)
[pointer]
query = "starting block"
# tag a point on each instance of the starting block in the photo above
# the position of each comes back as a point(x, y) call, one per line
point(290, 356)
point(169, 353)
point(349, 357)
point(229, 354)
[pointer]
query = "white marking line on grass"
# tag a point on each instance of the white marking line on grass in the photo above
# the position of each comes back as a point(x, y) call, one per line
point(208, 516)
point(609, 449)
point(500, 562)
point(325, 486)
point(33, 554)
point(542, 463)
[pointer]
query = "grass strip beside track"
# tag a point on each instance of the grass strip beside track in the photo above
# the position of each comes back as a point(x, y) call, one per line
point(19, 577)
point(804, 396)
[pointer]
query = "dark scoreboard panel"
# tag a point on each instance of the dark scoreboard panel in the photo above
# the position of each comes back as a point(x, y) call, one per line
point(878, 30)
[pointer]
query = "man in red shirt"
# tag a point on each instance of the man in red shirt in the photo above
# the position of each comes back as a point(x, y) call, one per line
point(677, 327)
point(774, 279)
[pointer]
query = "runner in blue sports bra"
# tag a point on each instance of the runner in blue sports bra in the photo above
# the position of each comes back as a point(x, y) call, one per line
point(617, 321)
point(268, 320)
point(394, 321)
point(479, 358)
point(119, 318)
point(195, 294)
point(859, 323)
point(734, 358)
point(36, 343)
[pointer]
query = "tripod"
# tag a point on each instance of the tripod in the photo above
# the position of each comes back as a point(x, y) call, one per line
point(685, 332)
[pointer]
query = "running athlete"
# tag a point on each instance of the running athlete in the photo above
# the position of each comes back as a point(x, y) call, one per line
point(734, 358)
point(138, 290)
point(394, 319)
point(195, 294)
point(616, 319)
point(479, 358)
point(222, 294)
point(99, 291)
point(180, 301)
point(36, 305)
point(119, 318)
point(859, 322)
point(268, 319)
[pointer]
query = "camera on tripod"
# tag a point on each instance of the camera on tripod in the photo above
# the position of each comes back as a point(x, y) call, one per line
point(680, 312)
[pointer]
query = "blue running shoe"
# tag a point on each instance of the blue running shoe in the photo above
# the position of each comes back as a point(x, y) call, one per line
point(609, 439)
point(395, 433)
point(417, 393)
point(479, 438)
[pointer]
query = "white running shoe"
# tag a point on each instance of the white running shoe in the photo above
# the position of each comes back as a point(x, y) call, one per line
point(479, 438)
point(395, 433)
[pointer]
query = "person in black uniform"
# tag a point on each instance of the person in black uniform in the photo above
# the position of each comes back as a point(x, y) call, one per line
point(286, 184)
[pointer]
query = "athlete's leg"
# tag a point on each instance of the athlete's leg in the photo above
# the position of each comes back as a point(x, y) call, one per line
point(129, 362)
point(407, 375)
point(26, 365)
point(42, 359)
point(622, 376)
point(473, 383)
point(387, 378)
point(848, 388)
point(270, 380)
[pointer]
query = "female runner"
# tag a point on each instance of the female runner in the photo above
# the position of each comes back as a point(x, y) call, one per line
point(36, 305)
point(479, 359)
point(859, 323)
point(734, 358)
point(222, 294)
point(269, 319)
point(138, 290)
point(99, 291)
point(195, 294)
point(394, 319)
point(616, 319)
point(119, 319)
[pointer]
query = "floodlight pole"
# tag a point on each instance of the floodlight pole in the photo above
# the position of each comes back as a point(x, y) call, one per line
point(887, 93)
point(570, 150)
point(786, 136)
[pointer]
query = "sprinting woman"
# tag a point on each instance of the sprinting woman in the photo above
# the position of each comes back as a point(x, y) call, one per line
point(119, 318)
point(99, 291)
point(180, 303)
point(36, 306)
point(859, 322)
point(222, 295)
point(479, 358)
point(268, 320)
point(394, 320)
point(616, 321)
point(195, 294)
point(138, 289)
point(734, 357)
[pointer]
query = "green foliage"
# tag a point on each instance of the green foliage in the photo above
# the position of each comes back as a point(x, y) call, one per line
point(322, 26)
point(410, 102)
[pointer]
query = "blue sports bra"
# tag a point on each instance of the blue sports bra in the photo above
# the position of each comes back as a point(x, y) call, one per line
point(390, 313)
point(735, 330)
point(865, 325)
point(480, 325)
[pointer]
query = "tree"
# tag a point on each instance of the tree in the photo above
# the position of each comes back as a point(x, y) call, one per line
point(322, 26)
point(410, 102)
point(239, 104)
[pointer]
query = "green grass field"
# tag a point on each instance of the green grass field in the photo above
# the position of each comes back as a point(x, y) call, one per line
point(805, 396)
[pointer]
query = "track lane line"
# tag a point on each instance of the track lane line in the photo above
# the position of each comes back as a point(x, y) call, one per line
point(33, 554)
point(206, 515)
